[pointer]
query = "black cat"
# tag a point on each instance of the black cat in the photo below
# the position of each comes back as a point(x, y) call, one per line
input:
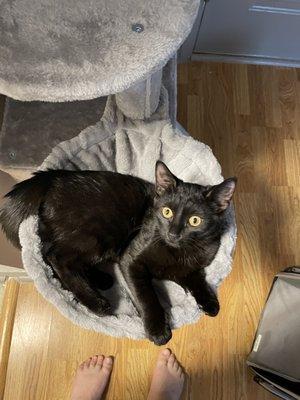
point(170, 230)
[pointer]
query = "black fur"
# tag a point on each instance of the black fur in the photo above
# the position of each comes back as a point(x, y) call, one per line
point(24, 200)
point(89, 218)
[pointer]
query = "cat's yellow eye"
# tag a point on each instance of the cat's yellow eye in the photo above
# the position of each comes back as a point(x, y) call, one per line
point(167, 212)
point(195, 220)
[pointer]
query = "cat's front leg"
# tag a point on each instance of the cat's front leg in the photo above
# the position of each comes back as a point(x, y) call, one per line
point(152, 313)
point(203, 293)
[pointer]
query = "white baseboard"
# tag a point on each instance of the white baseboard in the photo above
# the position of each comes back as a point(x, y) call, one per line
point(244, 60)
point(12, 272)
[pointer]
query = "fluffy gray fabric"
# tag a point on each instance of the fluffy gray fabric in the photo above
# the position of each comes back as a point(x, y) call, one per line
point(53, 50)
point(130, 146)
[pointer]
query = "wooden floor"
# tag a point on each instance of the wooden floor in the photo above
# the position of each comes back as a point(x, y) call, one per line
point(250, 116)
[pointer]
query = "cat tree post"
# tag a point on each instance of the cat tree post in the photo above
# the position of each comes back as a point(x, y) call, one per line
point(72, 51)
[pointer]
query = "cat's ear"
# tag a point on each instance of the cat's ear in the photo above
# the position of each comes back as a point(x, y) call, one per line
point(220, 195)
point(164, 179)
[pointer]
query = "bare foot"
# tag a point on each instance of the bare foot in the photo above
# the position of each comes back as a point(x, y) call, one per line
point(168, 378)
point(91, 378)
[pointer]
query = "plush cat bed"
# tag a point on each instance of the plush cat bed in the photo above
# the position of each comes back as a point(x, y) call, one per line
point(128, 146)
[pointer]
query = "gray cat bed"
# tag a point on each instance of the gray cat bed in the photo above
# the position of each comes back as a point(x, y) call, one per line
point(129, 146)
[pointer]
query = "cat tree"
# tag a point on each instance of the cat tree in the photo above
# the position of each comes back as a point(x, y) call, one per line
point(65, 51)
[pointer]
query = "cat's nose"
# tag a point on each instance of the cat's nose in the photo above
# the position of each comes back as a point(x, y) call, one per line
point(173, 236)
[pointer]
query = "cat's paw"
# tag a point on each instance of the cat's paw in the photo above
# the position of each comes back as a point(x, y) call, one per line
point(211, 307)
point(100, 307)
point(160, 336)
point(105, 306)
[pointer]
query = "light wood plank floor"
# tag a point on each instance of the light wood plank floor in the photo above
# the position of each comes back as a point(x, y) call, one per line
point(250, 116)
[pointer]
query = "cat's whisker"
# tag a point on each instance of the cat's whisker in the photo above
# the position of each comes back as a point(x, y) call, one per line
point(193, 244)
point(194, 241)
point(156, 240)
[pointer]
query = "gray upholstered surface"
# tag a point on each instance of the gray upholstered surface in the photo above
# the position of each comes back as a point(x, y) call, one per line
point(73, 50)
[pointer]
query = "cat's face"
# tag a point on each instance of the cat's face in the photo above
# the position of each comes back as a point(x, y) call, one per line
point(188, 212)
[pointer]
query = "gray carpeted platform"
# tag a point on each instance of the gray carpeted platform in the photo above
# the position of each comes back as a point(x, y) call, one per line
point(53, 50)
point(30, 130)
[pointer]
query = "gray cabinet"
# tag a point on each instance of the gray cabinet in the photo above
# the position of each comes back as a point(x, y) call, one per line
point(259, 31)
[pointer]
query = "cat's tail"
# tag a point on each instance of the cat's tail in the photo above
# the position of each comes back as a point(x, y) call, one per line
point(21, 202)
